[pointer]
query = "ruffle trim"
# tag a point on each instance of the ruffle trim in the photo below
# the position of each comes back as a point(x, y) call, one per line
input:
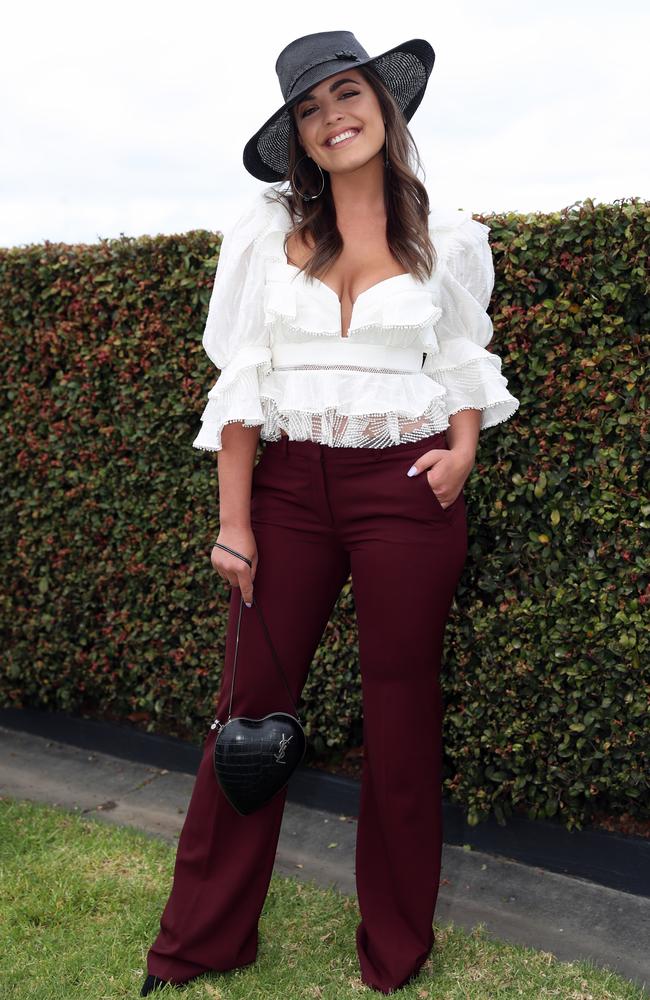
point(476, 384)
point(367, 430)
point(313, 309)
point(351, 392)
point(255, 356)
point(456, 353)
point(209, 437)
point(455, 231)
point(340, 408)
point(344, 408)
point(493, 413)
point(238, 400)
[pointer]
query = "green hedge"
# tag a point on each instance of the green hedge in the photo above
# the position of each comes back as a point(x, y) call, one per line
point(111, 608)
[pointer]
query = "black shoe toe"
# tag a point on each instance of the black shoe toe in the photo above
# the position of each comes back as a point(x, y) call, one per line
point(152, 983)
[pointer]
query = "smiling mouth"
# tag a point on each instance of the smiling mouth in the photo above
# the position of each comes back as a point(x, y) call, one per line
point(343, 142)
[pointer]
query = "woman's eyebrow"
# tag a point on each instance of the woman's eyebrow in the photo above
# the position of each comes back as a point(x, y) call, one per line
point(333, 86)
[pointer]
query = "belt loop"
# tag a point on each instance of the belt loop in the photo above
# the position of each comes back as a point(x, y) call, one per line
point(285, 444)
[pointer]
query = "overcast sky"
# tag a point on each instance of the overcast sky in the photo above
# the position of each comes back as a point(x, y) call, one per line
point(132, 117)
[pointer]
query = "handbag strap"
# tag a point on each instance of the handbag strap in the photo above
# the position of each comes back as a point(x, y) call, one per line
point(266, 632)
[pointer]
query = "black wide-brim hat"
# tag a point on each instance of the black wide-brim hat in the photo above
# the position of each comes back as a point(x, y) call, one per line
point(305, 62)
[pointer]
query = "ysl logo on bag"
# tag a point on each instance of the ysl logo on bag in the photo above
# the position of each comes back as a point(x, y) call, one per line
point(246, 750)
point(279, 757)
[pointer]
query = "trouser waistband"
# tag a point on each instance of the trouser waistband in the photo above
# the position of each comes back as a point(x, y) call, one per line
point(316, 451)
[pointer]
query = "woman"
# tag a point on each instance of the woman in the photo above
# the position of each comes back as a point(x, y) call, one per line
point(349, 326)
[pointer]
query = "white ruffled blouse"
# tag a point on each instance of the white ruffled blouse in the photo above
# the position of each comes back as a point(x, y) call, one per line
point(414, 353)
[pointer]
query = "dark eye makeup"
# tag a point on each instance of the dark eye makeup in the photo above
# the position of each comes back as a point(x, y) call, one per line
point(348, 93)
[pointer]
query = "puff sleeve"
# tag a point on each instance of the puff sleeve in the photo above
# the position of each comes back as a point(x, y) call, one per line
point(235, 337)
point(464, 280)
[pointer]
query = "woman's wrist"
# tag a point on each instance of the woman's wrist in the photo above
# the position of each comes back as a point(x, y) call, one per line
point(465, 451)
point(236, 523)
point(463, 434)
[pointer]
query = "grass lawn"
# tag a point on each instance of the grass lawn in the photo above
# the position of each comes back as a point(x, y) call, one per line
point(80, 902)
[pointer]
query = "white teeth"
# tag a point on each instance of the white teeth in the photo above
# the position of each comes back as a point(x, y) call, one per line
point(341, 137)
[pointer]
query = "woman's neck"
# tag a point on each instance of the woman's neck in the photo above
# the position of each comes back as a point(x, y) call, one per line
point(359, 194)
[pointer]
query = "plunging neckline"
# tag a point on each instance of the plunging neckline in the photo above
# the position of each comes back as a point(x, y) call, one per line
point(330, 290)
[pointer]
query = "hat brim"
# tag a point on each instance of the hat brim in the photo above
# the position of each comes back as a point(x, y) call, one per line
point(404, 70)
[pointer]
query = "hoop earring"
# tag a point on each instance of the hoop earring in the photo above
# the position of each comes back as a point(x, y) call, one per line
point(386, 160)
point(308, 197)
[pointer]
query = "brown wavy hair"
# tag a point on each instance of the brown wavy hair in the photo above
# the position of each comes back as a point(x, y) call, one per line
point(405, 196)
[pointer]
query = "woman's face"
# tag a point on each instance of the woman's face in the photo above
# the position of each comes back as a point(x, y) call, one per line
point(342, 102)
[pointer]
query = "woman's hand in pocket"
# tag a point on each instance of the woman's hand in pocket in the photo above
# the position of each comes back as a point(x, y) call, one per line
point(233, 569)
point(446, 471)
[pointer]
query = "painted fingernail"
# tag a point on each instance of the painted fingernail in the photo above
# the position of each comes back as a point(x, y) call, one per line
point(412, 471)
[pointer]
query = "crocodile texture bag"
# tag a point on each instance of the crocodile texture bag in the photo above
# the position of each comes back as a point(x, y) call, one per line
point(254, 758)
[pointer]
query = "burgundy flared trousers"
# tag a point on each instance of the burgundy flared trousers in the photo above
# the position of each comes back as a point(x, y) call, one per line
point(318, 514)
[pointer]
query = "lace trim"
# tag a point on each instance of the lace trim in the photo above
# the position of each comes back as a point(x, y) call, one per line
point(353, 368)
point(240, 396)
point(502, 412)
point(274, 316)
point(378, 429)
point(432, 318)
point(491, 398)
point(217, 445)
point(367, 430)
point(381, 441)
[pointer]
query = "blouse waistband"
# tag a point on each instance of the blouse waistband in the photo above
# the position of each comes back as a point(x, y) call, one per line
point(328, 351)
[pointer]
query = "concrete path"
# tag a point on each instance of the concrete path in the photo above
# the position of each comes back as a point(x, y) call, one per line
point(569, 917)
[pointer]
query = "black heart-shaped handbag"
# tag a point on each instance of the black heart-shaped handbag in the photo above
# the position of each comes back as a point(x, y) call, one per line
point(254, 758)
